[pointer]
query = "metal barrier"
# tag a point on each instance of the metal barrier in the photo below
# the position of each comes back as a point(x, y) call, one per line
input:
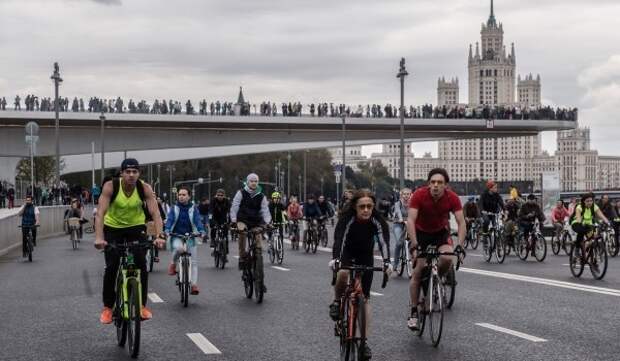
point(51, 219)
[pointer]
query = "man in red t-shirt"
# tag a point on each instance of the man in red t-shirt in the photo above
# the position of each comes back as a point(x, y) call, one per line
point(428, 224)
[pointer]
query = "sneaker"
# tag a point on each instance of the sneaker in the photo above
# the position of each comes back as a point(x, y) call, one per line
point(334, 311)
point(195, 290)
point(365, 353)
point(146, 314)
point(106, 316)
point(412, 321)
point(172, 269)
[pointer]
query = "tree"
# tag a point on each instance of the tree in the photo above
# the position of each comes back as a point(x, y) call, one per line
point(44, 169)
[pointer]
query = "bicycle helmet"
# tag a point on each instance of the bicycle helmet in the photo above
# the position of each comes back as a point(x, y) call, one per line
point(275, 195)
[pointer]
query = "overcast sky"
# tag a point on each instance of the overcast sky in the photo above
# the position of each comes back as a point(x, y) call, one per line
point(300, 50)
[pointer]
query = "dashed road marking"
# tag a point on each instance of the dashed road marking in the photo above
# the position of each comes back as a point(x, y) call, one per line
point(203, 344)
point(544, 281)
point(155, 298)
point(511, 332)
point(237, 257)
point(373, 293)
point(280, 268)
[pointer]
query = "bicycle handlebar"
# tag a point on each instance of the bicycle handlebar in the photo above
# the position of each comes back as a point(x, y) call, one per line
point(185, 236)
point(363, 269)
point(32, 226)
point(128, 245)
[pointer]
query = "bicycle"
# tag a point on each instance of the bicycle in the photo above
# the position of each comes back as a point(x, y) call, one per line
point(493, 240)
point(276, 244)
point(351, 324)
point(29, 240)
point(473, 234)
point(535, 240)
point(294, 233)
point(151, 233)
point(432, 300)
point(184, 267)
point(595, 254)
point(253, 275)
point(404, 258)
point(91, 227)
point(220, 246)
point(74, 229)
point(322, 231)
point(611, 242)
point(127, 310)
point(311, 236)
point(563, 240)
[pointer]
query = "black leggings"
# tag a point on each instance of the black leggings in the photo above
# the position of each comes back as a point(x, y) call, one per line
point(581, 231)
point(112, 260)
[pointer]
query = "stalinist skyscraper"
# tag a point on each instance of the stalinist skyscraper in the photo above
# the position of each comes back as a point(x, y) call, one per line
point(492, 82)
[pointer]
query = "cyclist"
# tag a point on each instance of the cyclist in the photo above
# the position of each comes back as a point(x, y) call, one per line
point(491, 203)
point(30, 218)
point(607, 208)
point(249, 209)
point(471, 212)
point(326, 209)
point(76, 212)
point(346, 201)
point(428, 224)
point(184, 218)
point(583, 220)
point(355, 236)
point(529, 212)
point(616, 221)
point(122, 214)
point(220, 213)
point(312, 212)
point(203, 210)
point(558, 216)
point(401, 208)
point(276, 210)
point(294, 214)
point(511, 220)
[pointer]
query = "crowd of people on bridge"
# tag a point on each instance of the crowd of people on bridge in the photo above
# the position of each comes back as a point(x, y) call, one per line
point(294, 109)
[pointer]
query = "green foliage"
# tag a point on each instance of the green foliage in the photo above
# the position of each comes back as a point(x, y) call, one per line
point(44, 169)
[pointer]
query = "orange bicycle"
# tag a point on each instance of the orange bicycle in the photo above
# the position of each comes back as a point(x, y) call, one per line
point(351, 325)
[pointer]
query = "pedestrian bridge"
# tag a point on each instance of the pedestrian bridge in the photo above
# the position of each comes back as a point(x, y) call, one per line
point(135, 132)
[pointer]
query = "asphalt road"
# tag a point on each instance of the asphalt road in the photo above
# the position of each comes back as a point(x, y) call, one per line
point(50, 310)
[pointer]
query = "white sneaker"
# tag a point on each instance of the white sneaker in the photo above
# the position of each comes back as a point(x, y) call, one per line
point(412, 323)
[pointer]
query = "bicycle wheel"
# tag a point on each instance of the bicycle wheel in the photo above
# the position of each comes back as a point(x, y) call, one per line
point(133, 323)
point(89, 229)
point(475, 241)
point(119, 321)
point(324, 238)
point(307, 241)
point(360, 328)
point(576, 261)
point(150, 254)
point(347, 345)
point(185, 281)
point(450, 287)
point(74, 242)
point(612, 244)
point(315, 241)
point(248, 282)
point(540, 247)
point(222, 251)
point(523, 252)
point(272, 253)
point(280, 248)
point(259, 290)
point(556, 244)
point(500, 249)
point(598, 259)
point(436, 310)
point(488, 245)
point(401, 262)
point(29, 248)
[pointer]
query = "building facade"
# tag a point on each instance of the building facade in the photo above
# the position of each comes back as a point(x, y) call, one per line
point(390, 158)
point(353, 156)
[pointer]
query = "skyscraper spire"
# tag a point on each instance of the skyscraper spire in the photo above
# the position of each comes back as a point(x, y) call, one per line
point(491, 21)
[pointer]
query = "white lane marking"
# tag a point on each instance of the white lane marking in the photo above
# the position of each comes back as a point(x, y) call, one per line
point(280, 268)
point(237, 257)
point(566, 264)
point(203, 344)
point(155, 298)
point(379, 258)
point(322, 249)
point(512, 332)
point(373, 293)
point(474, 255)
point(545, 281)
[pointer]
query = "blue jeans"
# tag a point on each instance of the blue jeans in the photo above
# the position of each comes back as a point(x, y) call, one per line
point(177, 245)
point(399, 241)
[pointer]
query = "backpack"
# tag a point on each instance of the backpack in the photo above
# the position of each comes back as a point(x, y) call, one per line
point(116, 186)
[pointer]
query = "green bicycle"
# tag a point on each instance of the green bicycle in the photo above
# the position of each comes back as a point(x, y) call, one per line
point(128, 305)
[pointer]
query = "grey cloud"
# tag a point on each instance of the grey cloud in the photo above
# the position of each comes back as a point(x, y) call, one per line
point(108, 2)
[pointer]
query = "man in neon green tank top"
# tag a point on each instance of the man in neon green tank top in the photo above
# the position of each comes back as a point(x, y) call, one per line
point(584, 219)
point(122, 217)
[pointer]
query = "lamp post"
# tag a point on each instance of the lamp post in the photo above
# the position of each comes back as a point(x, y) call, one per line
point(344, 150)
point(288, 175)
point(32, 135)
point(322, 180)
point(102, 142)
point(57, 80)
point(305, 175)
point(158, 179)
point(299, 180)
point(402, 73)
point(170, 168)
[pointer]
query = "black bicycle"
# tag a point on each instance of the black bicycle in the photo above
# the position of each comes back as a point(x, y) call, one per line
point(184, 266)
point(29, 240)
point(322, 231)
point(74, 231)
point(253, 275)
point(473, 234)
point(433, 298)
point(276, 244)
point(311, 236)
point(127, 310)
point(536, 241)
point(294, 234)
point(595, 255)
point(220, 246)
point(563, 240)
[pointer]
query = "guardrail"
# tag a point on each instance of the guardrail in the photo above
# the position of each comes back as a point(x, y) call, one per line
point(51, 225)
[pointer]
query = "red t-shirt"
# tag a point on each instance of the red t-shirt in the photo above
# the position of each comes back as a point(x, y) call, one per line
point(434, 216)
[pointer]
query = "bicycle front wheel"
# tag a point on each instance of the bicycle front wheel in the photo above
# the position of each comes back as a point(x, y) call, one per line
point(133, 323)
point(598, 259)
point(74, 238)
point(488, 245)
point(500, 249)
point(280, 248)
point(259, 290)
point(612, 244)
point(576, 261)
point(540, 247)
point(185, 282)
point(315, 242)
point(436, 310)
point(523, 252)
point(119, 321)
point(450, 287)
point(555, 244)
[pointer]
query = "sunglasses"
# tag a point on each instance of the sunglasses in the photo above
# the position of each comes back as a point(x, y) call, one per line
point(365, 206)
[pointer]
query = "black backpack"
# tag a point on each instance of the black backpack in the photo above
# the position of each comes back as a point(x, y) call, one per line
point(116, 186)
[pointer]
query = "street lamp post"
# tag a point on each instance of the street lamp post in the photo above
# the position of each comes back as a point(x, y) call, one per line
point(344, 150)
point(299, 180)
point(305, 175)
point(288, 175)
point(322, 180)
point(402, 73)
point(57, 80)
point(170, 169)
point(102, 142)
point(32, 132)
point(158, 179)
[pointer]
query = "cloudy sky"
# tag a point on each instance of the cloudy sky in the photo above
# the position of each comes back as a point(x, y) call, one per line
point(284, 50)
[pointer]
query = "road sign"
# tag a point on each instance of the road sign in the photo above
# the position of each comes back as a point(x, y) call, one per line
point(490, 123)
point(32, 128)
point(221, 179)
point(30, 139)
point(174, 189)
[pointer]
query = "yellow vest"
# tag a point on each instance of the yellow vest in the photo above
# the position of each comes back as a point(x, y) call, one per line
point(125, 212)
